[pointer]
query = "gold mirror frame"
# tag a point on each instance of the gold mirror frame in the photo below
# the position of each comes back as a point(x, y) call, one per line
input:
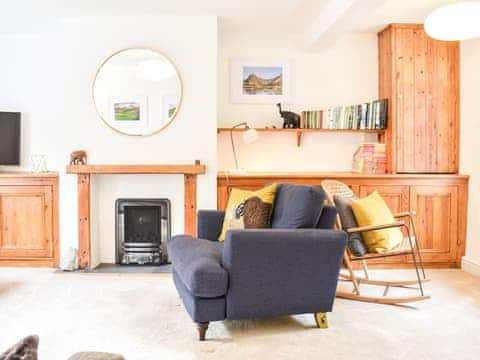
point(163, 57)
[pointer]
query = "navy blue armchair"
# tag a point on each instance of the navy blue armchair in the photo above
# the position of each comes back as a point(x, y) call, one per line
point(257, 273)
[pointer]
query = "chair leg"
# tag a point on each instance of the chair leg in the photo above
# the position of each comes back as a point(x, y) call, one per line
point(321, 320)
point(202, 330)
point(414, 260)
point(348, 265)
point(365, 268)
point(412, 221)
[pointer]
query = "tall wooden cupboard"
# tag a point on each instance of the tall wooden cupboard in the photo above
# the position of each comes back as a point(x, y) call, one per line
point(420, 78)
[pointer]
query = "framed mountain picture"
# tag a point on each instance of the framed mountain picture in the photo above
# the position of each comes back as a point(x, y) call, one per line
point(260, 81)
point(129, 113)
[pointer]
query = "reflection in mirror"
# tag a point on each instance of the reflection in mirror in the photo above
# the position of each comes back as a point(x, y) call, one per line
point(137, 91)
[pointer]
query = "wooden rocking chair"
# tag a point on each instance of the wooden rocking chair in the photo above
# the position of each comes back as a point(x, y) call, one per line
point(409, 245)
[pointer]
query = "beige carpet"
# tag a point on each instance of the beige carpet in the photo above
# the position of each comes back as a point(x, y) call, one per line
point(141, 317)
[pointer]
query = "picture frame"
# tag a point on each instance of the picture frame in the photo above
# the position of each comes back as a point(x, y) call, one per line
point(260, 81)
point(169, 106)
point(129, 113)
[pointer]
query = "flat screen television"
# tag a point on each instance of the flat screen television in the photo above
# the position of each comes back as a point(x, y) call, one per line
point(10, 129)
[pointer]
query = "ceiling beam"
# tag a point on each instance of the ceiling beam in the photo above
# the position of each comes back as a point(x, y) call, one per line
point(336, 19)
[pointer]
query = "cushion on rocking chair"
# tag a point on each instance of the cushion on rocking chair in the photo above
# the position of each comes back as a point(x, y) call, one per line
point(373, 210)
point(355, 242)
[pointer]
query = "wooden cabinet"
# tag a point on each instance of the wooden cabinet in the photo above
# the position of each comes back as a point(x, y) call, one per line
point(437, 209)
point(396, 196)
point(440, 202)
point(28, 219)
point(420, 78)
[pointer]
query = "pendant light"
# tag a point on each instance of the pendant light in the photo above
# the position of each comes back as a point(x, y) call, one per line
point(457, 21)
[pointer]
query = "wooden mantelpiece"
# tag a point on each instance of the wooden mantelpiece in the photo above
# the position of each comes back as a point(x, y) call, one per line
point(83, 172)
point(195, 169)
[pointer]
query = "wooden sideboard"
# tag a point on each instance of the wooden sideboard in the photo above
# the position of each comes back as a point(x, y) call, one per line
point(440, 202)
point(29, 219)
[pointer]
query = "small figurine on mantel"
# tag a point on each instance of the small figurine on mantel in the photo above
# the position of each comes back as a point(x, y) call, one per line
point(291, 120)
point(78, 157)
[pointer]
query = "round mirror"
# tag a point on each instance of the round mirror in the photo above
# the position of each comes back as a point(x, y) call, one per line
point(137, 91)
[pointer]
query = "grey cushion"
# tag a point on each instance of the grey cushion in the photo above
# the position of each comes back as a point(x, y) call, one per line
point(197, 263)
point(355, 241)
point(297, 206)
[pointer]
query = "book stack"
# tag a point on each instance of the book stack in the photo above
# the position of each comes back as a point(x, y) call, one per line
point(312, 119)
point(365, 116)
point(370, 158)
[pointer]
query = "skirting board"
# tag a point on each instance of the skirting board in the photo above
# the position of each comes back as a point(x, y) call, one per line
point(470, 266)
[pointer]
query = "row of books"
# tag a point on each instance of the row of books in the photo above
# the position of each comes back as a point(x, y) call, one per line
point(371, 115)
point(370, 158)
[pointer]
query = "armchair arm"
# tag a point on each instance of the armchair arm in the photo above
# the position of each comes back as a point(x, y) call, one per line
point(375, 227)
point(209, 224)
point(281, 271)
point(409, 214)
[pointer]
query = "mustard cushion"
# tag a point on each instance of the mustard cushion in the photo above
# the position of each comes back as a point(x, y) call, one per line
point(248, 209)
point(372, 210)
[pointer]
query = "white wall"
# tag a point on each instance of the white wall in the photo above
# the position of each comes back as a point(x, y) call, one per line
point(346, 73)
point(48, 77)
point(469, 140)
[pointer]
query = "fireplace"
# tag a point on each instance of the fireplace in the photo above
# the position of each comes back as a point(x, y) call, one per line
point(142, 231)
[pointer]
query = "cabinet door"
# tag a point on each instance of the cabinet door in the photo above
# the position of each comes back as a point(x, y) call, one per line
point(26, 222)
point(396, 197)
point(436, 221)
point(426, 96)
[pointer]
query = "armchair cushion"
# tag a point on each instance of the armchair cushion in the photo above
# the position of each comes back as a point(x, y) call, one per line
point(297, 206)
point(209, 224)
point(328, 218)
point(198, 265)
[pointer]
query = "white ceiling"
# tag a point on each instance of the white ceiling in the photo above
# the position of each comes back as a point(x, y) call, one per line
point(296, 16)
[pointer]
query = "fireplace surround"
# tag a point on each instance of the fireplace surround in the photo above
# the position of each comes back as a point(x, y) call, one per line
point(85, 172)
point(142, 230)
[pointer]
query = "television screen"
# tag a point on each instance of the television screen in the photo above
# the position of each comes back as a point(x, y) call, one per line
point(9, 138)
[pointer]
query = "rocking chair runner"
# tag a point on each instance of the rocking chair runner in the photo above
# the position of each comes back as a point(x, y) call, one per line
point(409, 245)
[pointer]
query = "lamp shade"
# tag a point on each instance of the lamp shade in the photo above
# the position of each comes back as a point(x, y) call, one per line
point(457, 21)
point(250, 136)
point(154, 70)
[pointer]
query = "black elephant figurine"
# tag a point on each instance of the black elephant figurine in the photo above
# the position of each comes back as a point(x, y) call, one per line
point(291, 120)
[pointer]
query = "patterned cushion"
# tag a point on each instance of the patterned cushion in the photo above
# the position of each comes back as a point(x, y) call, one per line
point(25, 349)
point(248, 209)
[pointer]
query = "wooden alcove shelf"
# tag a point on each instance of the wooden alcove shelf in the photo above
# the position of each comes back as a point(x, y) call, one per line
point(300, 132)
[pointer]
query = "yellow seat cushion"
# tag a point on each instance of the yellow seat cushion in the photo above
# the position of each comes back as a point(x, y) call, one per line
point(370, 211)
point(258, 204)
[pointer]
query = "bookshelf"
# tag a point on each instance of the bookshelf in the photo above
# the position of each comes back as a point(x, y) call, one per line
point(300, 132)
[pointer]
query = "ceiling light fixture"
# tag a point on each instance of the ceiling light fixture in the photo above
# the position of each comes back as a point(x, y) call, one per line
point(457, 21)
point(154, 70)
